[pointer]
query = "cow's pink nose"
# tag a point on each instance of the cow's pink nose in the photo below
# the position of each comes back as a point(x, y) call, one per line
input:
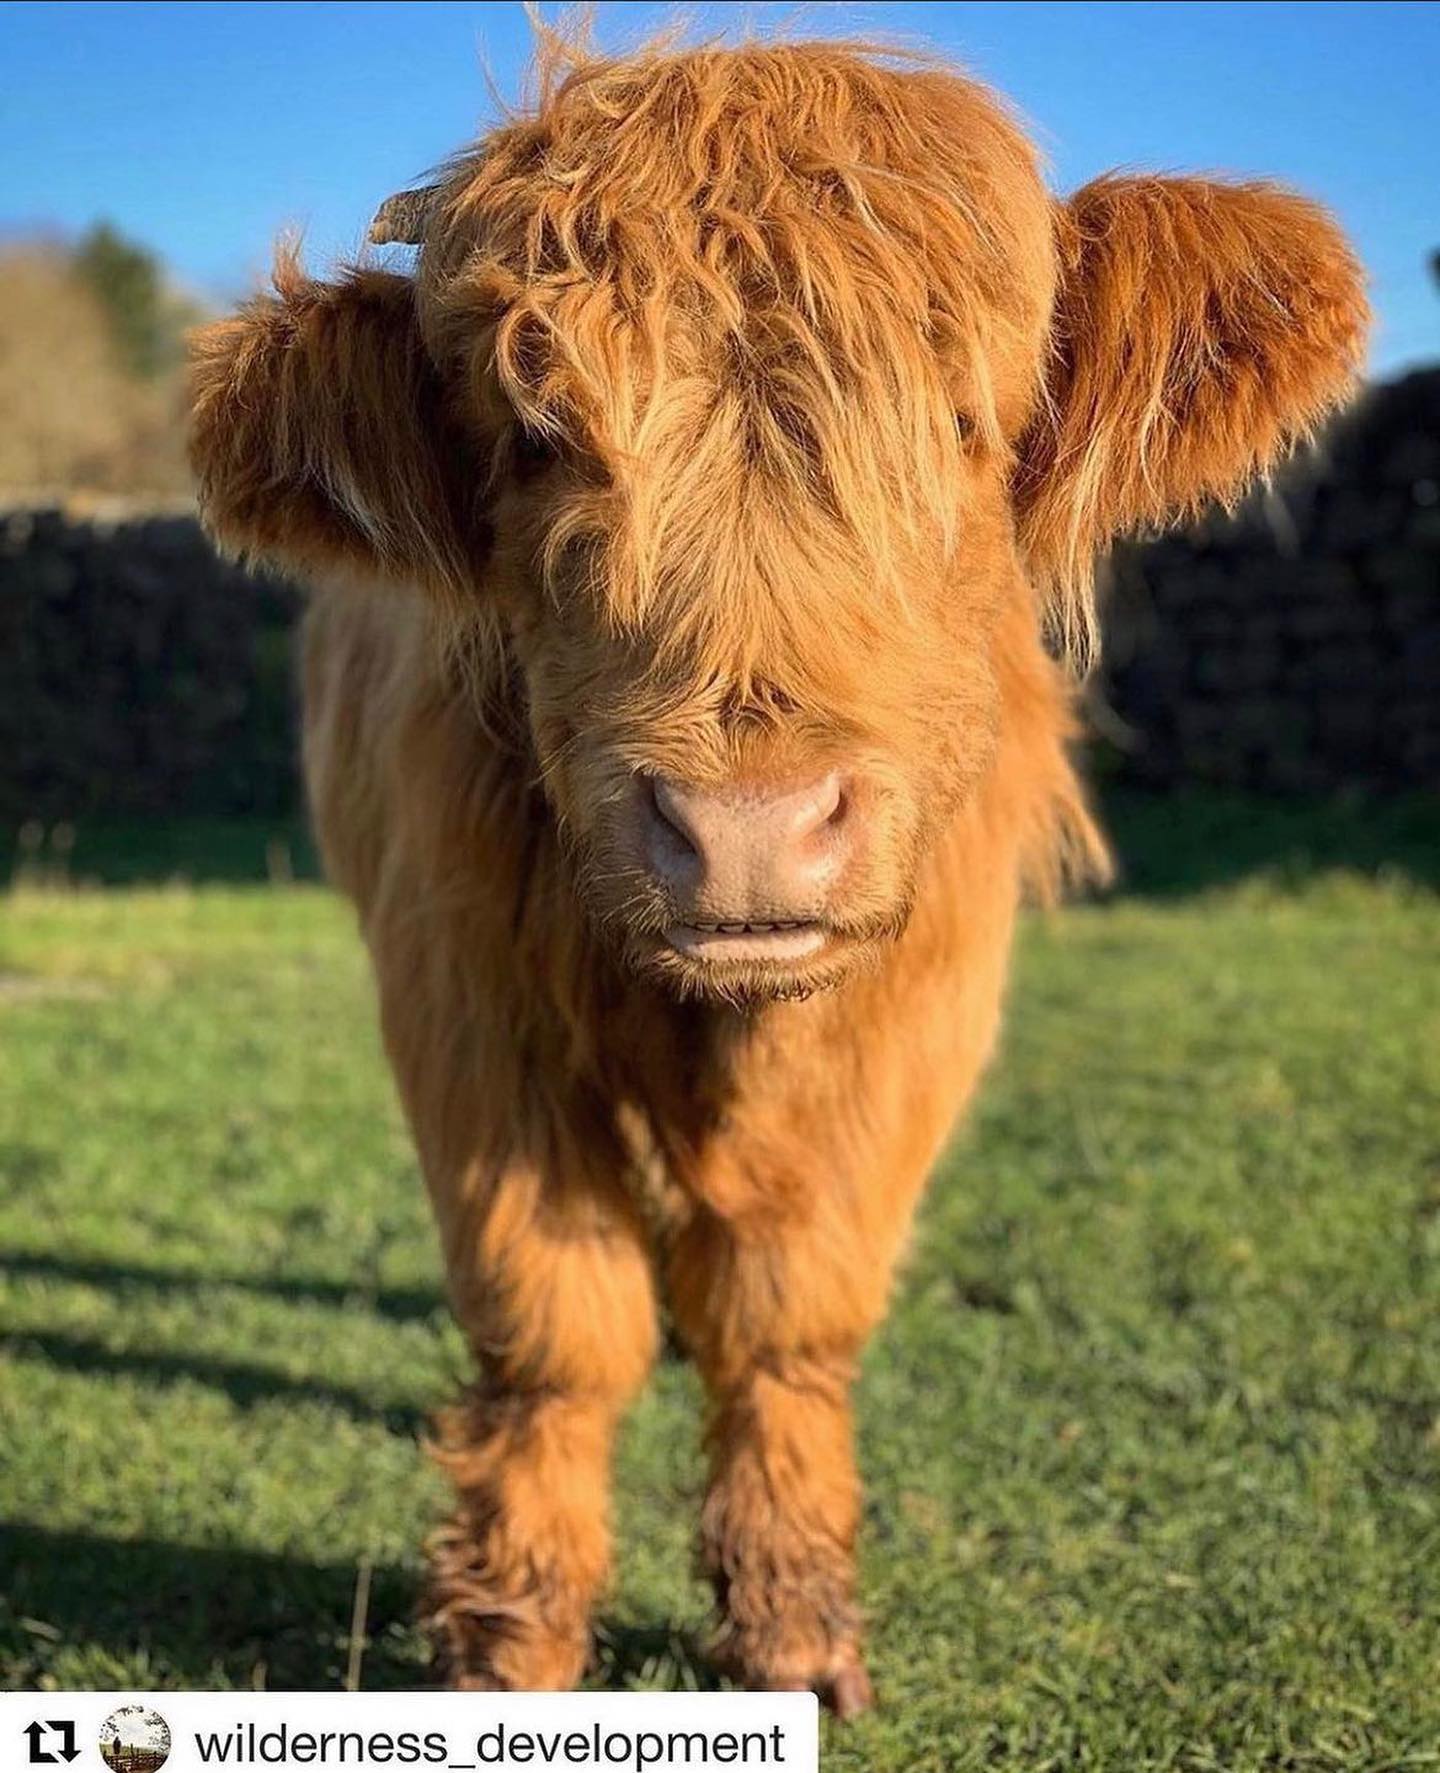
point(749, 852)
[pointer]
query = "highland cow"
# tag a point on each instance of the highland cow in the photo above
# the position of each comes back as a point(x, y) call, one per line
point(702, 538)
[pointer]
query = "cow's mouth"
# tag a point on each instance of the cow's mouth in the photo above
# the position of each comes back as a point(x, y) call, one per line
point(782, 942)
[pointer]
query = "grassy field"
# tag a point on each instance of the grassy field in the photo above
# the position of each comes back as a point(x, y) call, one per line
point(1152, 1437)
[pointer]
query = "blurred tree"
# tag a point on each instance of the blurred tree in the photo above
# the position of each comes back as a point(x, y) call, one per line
point(74, 414)
point(146, 317)
point(64, 398)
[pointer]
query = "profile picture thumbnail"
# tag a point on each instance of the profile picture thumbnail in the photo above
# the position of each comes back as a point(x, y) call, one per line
point(134, 1739)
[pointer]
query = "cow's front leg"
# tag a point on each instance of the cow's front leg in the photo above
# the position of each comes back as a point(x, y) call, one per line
point(552, 1285)
point(776, 1320)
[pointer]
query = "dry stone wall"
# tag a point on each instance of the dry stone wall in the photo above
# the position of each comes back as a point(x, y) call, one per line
point(1295, 647)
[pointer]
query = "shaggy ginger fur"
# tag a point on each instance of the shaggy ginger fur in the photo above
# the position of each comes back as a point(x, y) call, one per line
point(749, 412)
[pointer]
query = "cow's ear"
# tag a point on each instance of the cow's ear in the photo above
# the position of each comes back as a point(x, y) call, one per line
point(1200, 330)
point(320, 440)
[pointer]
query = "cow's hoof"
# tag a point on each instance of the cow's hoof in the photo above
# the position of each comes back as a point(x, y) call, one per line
point(850, 1692)
point(485, 1646)
point(844, 1687)
point(533, 1663)
point(471, 1682)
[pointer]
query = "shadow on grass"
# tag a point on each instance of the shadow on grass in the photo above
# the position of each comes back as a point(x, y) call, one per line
point(257, 1618)
point(1168, 844)
point(127, 1279)
point(400, 1304)
point(650, 1657)
point(149, 852)
point(260, 1617)
point(242, 1383)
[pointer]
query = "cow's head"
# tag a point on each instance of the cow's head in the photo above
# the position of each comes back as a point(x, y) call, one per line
point(735, 397)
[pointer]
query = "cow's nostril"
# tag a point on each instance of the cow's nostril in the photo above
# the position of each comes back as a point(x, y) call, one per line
point(668, 816)
point(813, 811)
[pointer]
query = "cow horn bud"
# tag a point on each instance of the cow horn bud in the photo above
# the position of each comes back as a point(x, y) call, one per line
point(400, 220)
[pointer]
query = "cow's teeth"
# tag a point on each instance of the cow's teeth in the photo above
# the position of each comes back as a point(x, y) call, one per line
point(774, 928)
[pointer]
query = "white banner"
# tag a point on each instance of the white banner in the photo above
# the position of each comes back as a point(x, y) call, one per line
point(446, 1732)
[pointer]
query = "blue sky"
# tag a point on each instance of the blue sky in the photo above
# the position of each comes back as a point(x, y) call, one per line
point(203, 129)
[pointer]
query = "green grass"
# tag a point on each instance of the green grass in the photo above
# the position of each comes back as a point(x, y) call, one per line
point(1151, 1439)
